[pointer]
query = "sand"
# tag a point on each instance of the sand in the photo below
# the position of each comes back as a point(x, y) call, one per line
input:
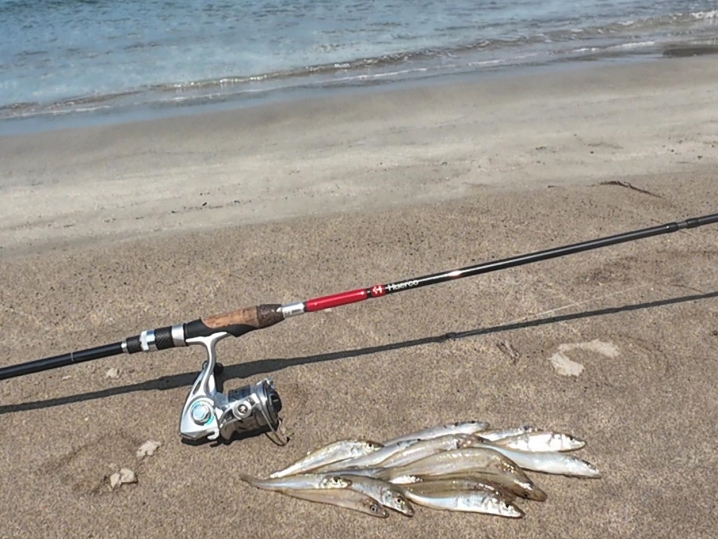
point(529, 129)
point(105, 232)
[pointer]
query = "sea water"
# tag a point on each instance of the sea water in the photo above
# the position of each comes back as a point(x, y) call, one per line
point(85, 57)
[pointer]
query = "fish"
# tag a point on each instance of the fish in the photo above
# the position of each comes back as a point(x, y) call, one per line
point(426, 448)
point(455, 461)
point(390, 496)
point(472, 501)
point(460, 427)
point(347, 498)
point(372, 459)
point(447, 483)
point(333, 452)
point(485, 462)
point(502, 481)
point(300, 481)
point(497, 434)
point(547, 462)
point(541, 441)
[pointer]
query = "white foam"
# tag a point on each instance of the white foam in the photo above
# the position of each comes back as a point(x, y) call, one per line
point(635, 45)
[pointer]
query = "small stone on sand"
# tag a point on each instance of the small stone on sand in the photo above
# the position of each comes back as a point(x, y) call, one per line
point(112, 373)
point(148, 449)
point(124, 476)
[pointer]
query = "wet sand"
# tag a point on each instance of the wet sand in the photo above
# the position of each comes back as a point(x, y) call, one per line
point(383, 187)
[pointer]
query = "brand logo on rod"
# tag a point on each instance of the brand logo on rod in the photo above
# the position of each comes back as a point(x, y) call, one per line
point(401, 286)
point(377, 291)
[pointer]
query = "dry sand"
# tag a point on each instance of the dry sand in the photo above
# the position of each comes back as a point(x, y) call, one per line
point(345, 192)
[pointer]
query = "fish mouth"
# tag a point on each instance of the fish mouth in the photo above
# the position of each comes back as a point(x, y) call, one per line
point(403, 511)
point(403, 507)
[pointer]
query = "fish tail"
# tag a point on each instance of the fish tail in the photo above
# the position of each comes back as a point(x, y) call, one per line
point(247, 478)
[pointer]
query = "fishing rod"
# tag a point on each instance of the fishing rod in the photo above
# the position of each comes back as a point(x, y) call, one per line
point(208, 413)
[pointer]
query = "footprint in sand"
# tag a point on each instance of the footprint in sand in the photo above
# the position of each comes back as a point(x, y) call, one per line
point(564, 366)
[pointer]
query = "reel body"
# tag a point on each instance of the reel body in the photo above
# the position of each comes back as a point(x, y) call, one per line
point(210, 414)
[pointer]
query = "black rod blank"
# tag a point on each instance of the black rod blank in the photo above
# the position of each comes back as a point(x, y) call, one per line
point(547, 254)
point(61, 361)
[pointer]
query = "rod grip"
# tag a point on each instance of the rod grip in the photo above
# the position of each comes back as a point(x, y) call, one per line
point(236, 323)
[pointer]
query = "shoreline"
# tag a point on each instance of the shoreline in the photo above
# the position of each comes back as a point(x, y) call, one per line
point(166, 110)
point(117, 113)
point(337, 154)
point(153, 112)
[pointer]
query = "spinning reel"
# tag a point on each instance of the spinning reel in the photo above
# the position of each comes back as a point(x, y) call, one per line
point(210, 414)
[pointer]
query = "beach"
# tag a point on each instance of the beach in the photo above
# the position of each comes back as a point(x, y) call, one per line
point(112, 229)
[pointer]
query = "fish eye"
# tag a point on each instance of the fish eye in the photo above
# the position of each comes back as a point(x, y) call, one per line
point(374, 508)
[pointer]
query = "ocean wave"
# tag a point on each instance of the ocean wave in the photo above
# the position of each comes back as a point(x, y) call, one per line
point(631, 34)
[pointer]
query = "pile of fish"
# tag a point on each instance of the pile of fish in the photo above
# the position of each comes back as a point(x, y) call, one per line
point(454, 467)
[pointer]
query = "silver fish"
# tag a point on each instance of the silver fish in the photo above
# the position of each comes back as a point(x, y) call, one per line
point(301, 481)
point(502, 481)
point(426, 448)
point(372, 459)
point(484, 462)
point(347, 498)
point(472, 501)
point(541, 441)
point(497, 434)
point(333, 452)
point(444, 484)
point(388, 495)
point(461, 427)
point(548, 462)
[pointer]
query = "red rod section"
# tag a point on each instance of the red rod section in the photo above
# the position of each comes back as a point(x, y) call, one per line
point(335, 300)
